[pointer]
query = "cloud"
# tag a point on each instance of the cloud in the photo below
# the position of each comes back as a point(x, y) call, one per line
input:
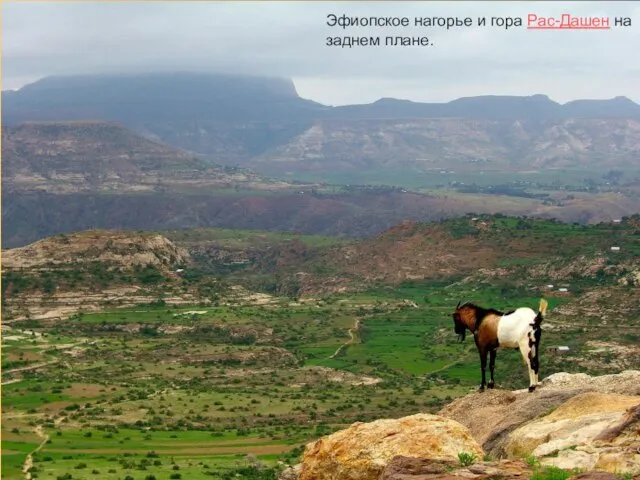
point(289, 39)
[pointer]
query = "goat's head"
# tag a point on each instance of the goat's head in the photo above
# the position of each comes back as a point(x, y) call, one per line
point(464, 317)
point(458, 325)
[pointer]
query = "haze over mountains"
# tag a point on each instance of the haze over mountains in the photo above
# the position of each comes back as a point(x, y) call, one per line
point(264, 124)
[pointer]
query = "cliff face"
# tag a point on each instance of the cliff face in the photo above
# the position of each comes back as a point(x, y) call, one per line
point(571, 422)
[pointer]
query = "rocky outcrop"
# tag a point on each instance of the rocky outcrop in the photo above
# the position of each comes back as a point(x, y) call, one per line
point(113, 248)
point(491, 415)
point(571, 421)
point(364, 450)
point(591, 430)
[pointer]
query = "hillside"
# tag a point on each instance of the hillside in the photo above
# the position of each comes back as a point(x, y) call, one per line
point(467, 144)
point(263, 123)
point(90, 270)
point(485, 247)
point(29, 216)
point(72, 157)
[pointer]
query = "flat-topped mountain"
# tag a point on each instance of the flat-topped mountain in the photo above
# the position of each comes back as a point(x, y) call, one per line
point(225, 116)
point(136, 98)
point(145, 97)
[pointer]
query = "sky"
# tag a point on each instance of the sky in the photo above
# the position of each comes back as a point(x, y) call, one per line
point(288, 39)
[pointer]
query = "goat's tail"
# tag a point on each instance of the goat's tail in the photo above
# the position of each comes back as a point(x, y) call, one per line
point(542, 310)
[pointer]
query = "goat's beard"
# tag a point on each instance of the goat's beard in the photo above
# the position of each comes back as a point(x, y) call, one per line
point(461, 331)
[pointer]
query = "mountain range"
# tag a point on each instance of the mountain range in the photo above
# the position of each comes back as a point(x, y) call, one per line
point(264, 124)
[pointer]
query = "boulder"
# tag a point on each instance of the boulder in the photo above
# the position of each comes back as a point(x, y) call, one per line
point(589, 431)
point(363, 450)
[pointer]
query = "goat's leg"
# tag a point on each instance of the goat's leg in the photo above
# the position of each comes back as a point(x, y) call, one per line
point(492, 365)
point(535, 360)
point(525, 350)
point(483, 367)
point(535, 365)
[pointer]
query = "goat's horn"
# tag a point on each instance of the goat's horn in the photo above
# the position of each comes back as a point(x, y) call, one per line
point(458, 306)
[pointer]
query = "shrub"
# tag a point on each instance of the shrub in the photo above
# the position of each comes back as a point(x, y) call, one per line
point(466, 459)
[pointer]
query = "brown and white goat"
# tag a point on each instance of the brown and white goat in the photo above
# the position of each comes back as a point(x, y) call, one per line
point(493, 329)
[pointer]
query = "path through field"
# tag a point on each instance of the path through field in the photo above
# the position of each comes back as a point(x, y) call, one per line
point(352, 338)
point(28, 462)
point(29, 367)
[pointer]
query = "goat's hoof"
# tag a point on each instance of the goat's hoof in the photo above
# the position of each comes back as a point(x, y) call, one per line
point(481, 389)
point(491, 385)
point(532, 388)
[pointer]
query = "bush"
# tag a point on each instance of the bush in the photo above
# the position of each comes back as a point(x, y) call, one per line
point(466, 459)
